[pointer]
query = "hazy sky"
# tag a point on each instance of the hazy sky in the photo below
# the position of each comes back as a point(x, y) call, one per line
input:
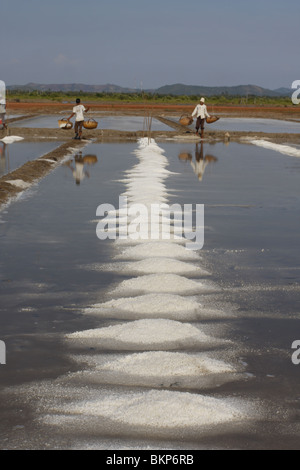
point(148, 44)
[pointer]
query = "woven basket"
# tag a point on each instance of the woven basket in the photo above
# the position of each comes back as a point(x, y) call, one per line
point(185, 120)
point(212, 119)
point(90, 124)
point(90, 159)
point(210, 158)
point(65, 124)
point(185, 156)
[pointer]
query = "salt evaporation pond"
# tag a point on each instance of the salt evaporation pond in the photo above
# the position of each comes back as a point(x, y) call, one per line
point(14, 155)
point(61, 389)
point(253, 125)
point(122, 123)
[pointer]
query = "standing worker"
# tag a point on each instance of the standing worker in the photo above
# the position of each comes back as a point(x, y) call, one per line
point(78, 110)
point(2, 104)
point(201, 112)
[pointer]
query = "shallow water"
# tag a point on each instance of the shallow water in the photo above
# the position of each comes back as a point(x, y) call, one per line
point(257, 125)
point(12, 156)
point(253, 125)
point(122, 123)
point(58, 278)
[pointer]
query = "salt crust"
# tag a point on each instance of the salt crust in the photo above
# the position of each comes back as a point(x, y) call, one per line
point(19, 183)
point(284, 149)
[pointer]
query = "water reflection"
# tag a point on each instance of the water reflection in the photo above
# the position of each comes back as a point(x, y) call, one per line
point(78, 166)
point(4, 159)
point(200, 163)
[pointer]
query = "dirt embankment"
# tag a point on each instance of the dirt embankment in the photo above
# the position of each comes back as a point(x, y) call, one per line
point(273, 112)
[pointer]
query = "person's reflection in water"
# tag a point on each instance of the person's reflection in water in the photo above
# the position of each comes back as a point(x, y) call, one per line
point(201, 162)
point(79, 172)
point(2, 158)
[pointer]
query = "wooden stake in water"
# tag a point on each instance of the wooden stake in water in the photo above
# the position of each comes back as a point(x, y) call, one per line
point(147, 125)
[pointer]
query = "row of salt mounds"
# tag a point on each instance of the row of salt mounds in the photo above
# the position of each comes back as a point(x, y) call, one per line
point(153, 413)
point(161, 287)
point(145, 185)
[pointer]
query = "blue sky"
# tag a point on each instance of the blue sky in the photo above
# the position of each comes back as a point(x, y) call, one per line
point(148, 44)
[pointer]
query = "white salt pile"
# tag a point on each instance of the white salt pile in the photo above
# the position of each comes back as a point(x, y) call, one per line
point(11, 139)
point(157, 410)
point(167, 364)
point(19, 183)
point(170, 306)
point(46, 160)
point(157, 249)
point(154, 369)
point(164, 265)
point(143, 334)
point(159, 303)
point(151, 266)
point(169, 283)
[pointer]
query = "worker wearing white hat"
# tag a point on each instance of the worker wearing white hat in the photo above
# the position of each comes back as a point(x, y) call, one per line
point(201, 112)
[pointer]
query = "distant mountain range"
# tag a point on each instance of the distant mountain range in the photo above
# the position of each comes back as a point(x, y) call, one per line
point(108, 88)
point(241, 90)
point(175, 89)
